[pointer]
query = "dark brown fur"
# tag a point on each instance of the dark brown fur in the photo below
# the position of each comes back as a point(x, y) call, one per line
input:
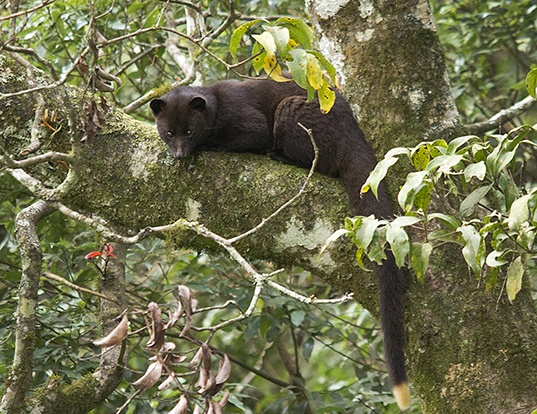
point(262, 116)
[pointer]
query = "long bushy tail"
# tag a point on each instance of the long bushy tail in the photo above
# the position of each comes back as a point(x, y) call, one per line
point(391, 286)
point(390, 278)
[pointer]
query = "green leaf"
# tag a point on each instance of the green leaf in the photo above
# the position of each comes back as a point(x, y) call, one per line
point(377, 249)
point(526, 237)
point(503, 154)
point(413, 181)
point(381, 169)
point(509, 190)
point(514, 278)
point(419, 259)
point(494, 258)
point(307, 348)
point(298, 29)
point(454, 145)
point(153, 17)
point(336, 235)
point(239, 33)
point(519, 212)
point(351, 223)
point(468, 205)
point(298, 67)
point(403, 221)
point(474, 248)
point(531, 82)
point(398, 239)
point(445, 163)
point(446, 219)
point(363, 235)
point(297, 317)
point(477, 170)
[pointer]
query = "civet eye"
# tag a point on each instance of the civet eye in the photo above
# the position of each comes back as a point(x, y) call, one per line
point(188, 133)
point(169, 134)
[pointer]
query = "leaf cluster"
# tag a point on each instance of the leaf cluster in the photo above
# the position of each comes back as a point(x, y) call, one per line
point(289, 41)
point(461, 192)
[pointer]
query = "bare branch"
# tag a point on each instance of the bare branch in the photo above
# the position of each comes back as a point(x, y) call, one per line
point(38, 159)
point(22, 13)
point(34, 54)
point(501, 117)
point(56, 278)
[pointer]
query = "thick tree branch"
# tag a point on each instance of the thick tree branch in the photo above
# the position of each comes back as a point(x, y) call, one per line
point(137, 185)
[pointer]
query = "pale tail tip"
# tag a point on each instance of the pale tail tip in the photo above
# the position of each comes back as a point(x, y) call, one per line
point(401, 393)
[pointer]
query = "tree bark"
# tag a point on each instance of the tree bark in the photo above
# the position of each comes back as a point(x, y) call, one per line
point(20, 376)
point(463, 345)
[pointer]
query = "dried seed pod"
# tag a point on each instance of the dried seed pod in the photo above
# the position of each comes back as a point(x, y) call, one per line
point(164, 385)
point(224, 370)
point(223, 401)
point(151, 376)
point(116, 336)
point(157, 327)
point(181, 407)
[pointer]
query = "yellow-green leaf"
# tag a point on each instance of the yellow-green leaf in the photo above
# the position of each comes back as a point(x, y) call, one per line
point(259, 61)
point(266, 40)
point(315, 75)
point(514, 278)
point(325, 64)
point(421, 156)
point(327, 97)
point(276, 74)
point(270, 62)
point(238, 34)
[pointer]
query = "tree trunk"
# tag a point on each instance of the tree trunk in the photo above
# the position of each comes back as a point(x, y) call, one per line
point(463, 345)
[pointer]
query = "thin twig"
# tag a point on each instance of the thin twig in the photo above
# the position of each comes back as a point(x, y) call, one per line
point(22, 13)
point(52, 276)
point(291, 200)
point(38, 159)
point(129, 400)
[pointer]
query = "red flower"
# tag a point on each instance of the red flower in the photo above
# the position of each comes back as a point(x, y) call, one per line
point(105, 253)
point(107, 250)
point(92, 255)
